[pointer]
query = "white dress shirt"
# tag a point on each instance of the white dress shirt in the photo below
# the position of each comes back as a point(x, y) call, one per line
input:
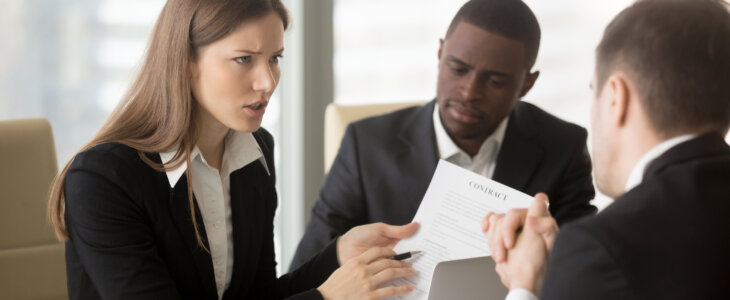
point(484, 162)
point(212, 189)
point(635, 178)
point(637, 173)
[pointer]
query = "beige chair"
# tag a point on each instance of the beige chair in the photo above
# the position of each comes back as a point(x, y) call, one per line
point(32, 264)
point(337, 117)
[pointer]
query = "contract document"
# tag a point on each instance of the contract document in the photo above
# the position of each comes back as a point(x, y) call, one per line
point(450, 218)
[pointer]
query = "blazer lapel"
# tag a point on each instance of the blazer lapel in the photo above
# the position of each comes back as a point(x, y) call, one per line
point(519, 156)
point(419, 155)
point(248, 213)
point(180, 211)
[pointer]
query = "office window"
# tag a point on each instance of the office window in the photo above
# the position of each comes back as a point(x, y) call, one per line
point(385, 50)
point(72, 61)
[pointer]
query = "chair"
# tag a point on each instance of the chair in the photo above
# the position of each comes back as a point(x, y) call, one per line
point(337, 117)
point(32, 264)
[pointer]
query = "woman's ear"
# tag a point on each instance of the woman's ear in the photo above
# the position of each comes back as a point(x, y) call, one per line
point(193, 69)
point(194, 76)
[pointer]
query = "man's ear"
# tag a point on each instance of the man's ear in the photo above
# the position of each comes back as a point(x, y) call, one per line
point(441, 47)
point(619, 99)
point(529, 83)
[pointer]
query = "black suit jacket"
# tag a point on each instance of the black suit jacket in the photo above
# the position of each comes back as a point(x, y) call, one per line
point(385, 165)
point(131, 235)
point(667, 238)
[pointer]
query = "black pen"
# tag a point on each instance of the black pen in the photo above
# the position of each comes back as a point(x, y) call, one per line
point(406, 255)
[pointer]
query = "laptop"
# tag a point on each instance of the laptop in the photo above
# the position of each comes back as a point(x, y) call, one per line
point(467, 279)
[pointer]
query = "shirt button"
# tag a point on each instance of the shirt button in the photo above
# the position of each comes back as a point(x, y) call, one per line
point(216, 225)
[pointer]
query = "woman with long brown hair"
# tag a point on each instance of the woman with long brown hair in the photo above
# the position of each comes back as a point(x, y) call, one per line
point(174, 198)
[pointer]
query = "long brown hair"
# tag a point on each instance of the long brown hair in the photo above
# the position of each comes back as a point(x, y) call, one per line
point(158, 112)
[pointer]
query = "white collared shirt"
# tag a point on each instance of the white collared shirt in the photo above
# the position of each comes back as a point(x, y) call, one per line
point(637, 173)
point(484, 162)
point(635, 178)
point(212, 189)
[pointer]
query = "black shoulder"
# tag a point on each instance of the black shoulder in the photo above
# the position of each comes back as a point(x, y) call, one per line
point(546, 126)
point(106, 155)
point(543, 119)
point(114, 164)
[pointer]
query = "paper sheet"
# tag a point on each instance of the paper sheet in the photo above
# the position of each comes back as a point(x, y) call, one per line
point(450, 218)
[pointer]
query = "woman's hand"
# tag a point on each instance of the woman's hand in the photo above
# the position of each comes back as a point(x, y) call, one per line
point(361, 277)
point(361, 238)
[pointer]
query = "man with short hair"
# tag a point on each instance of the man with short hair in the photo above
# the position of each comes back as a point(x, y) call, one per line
point(660, 111)
point(477, 121)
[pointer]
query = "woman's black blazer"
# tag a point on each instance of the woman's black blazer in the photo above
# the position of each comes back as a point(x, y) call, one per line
point(131, 235)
